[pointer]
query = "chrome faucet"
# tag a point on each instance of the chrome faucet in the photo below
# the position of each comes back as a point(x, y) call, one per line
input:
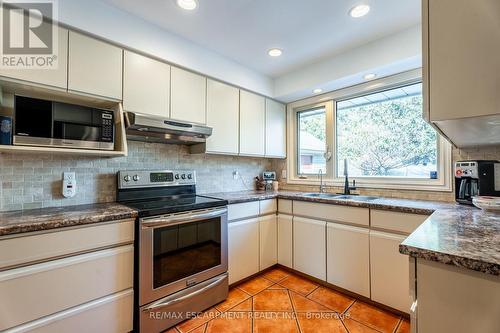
point(347, 188)
point(321, 185)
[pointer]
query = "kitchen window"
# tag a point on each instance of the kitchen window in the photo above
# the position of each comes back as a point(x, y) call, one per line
point(379, 131)
point(311, 126)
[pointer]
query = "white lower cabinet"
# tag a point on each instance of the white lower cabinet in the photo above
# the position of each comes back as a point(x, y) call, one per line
point(243, 248)
point(110, 314)
point(389, 271)
point(285, 240)
point(348, 258)
point(268, 255)
point(32, 292)
point(309, 247)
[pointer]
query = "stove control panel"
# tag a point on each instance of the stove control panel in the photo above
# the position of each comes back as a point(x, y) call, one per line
point(155, 178)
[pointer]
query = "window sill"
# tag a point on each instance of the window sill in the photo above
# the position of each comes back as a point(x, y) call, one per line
point(434, 186)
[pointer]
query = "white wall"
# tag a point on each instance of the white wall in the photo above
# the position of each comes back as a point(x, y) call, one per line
point(390, 55)
point(111, 23)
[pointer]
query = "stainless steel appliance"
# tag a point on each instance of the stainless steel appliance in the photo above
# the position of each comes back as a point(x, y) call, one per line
point(40, 122)
point(141, 127)
point(181, 247)
point(473, 178)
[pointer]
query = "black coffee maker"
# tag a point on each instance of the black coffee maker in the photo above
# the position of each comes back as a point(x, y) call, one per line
point(473, 178)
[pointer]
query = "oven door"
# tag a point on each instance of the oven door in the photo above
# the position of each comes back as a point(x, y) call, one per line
point(181, 250)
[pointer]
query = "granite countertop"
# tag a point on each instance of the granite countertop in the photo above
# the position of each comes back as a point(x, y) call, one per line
point(458, 235)
point(14, 222)
point(401, 205)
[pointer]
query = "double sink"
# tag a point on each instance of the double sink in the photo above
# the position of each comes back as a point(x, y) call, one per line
point(340, 196)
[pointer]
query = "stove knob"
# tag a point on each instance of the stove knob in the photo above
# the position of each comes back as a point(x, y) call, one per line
point(190, 176)
point(127, 178)
point(183, 176)
point(136, 178)
point(176, 176)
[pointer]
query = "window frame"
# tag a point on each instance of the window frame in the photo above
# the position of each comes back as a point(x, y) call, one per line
point(328, 170)
point(329, 102)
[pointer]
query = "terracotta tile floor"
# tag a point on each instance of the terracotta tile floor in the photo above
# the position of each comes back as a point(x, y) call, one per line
point(278, 301)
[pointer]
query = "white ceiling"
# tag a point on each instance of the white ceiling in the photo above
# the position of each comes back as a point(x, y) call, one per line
point(308, 31)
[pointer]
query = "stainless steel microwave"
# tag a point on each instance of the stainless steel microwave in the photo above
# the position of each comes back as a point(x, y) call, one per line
point(39, 122)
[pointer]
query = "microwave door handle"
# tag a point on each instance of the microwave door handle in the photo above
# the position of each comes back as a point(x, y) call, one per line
point(164, 302)
point(181, 218)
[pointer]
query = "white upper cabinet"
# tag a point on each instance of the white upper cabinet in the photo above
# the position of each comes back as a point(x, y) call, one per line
point(146, 85)
point(188, 96)
point(275, 129)
point(461, 69)
point(252, 124)
point(223, 116)
point(57, 77)
point(95, 67)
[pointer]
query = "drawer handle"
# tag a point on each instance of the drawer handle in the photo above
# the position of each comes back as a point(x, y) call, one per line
point(162, 303)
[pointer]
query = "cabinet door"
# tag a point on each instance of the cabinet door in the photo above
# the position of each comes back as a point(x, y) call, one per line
point(243, 249)
point(464, 53)
point(348, 263)
point(146, 85)
point(309, 247)
point(57, 77)
point(95, 67)
point(275, 129)
point(389, 271)
point(285, 240)
point(223, 103)
point(252, 124)
point(189, 93)
point(268, 241)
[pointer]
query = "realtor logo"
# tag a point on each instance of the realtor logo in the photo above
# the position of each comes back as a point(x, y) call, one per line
point(29, 36)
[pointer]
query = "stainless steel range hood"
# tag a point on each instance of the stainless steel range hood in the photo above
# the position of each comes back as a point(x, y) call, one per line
point(141, 127)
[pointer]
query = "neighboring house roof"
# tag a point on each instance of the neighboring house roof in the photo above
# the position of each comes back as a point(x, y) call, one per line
point(311, 143)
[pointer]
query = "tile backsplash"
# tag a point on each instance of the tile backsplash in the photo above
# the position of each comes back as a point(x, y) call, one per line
point(34, 180)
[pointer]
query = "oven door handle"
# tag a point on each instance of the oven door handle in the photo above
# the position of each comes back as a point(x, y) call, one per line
point(172, 220)
point(166, 302)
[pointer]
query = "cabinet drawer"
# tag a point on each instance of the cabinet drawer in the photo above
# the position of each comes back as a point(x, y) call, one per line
point(268, 206)
point(29, 249)
point(396, 221)
point(243, 210)
point(111, 314)
point(285, 206)
point(352, 215)
point(40, 290)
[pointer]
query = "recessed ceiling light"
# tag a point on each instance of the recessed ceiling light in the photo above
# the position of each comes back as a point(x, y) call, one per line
point(317, 91)
point(369, 76)
point(359, 11)
point(187, 4)
point(275, 52)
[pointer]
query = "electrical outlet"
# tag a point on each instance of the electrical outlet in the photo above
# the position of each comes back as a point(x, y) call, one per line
point(283, 174)
point(69, 185)
point(235, 174)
